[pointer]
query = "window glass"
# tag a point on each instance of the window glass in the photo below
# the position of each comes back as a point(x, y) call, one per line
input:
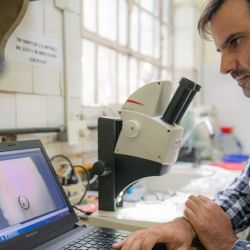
point(165, 46)
point(165, 75)
point(130, 47)
point(133, 75)
point(89, 14)
point(123, 78)
point(147, 29)
point(123, 18)
point(134, 35)
point(148, 5)
point(152, 6)
point(88, 64)
point(157, 7)
point(148, 73)
point(107, 18)
point(106, 75)
point(157, 39)
point(165, 10)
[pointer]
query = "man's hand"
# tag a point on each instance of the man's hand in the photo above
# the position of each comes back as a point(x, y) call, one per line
point(177, 234)
point(210, 222)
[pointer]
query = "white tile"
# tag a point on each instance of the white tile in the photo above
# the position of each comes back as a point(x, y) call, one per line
point(74, 109)
point(33, 19)
point(56, 116)
point(74, 6)
point(3, 79)
point(31, 111)
point(74, 76)
point(73, 39)
point(53, 21)
point(91, 115)
point(47, 81)
point(62, 82)
point(18, 78)
point(8, 111)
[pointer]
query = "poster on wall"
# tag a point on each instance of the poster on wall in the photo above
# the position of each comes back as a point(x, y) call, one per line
point(34, 48)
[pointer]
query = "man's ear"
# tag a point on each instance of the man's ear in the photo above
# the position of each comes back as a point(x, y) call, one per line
point(11, 14)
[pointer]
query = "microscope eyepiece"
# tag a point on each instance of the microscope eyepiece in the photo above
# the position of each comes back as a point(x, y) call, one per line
point(180, 101)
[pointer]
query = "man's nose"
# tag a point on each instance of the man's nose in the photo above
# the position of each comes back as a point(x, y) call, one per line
point(228, 63)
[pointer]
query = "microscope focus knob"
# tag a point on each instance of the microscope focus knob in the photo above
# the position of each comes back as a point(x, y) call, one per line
point(101, 168)
point(131, 128)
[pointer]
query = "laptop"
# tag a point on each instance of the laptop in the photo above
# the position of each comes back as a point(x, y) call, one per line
point(35, 213)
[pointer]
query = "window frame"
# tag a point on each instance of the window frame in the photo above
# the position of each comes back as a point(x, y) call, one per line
point(127, 50)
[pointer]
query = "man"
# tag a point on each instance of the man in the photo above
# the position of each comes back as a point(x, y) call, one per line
point(215, 223)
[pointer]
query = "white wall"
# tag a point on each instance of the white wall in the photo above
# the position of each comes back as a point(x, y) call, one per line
point(187, 55)
point(223, 92)
point(34, 95)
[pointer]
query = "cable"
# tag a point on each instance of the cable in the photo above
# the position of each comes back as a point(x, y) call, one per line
point(64, 157)
point(73, 169)
point(72, 173)
point(88, 183)
point(79, 209)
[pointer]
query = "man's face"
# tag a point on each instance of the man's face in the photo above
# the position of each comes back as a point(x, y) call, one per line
point(230, 28)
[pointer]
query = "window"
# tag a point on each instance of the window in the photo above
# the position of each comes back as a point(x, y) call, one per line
point(125, 44)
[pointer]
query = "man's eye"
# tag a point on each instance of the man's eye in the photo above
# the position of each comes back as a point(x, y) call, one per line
point(235, 42)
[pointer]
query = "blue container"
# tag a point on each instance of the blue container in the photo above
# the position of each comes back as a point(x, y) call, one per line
point(236, 158)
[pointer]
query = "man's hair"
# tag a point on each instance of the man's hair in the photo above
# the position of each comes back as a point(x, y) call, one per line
point(208, 12)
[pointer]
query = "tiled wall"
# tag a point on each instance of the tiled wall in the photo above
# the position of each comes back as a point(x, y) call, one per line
point(33, 96)
point(35, 93)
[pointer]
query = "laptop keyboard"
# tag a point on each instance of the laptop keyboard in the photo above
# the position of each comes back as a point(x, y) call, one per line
point(96, 239)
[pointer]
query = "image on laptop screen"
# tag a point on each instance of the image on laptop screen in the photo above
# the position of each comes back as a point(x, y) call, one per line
point(29, 194)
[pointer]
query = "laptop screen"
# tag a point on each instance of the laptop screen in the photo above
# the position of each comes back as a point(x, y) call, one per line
point(29, 194)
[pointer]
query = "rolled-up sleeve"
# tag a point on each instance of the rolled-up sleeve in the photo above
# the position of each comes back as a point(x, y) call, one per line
point(241, 245)
point(235, 201)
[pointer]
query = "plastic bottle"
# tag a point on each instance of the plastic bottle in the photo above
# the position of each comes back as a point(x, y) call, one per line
point(229, 143)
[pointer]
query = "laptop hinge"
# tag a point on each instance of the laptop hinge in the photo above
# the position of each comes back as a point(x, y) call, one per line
point(80, 224)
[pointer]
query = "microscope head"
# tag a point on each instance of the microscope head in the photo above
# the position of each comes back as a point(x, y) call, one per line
point(150, 119)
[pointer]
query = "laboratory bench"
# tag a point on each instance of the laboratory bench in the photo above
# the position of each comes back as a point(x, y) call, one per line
point(161, 199)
